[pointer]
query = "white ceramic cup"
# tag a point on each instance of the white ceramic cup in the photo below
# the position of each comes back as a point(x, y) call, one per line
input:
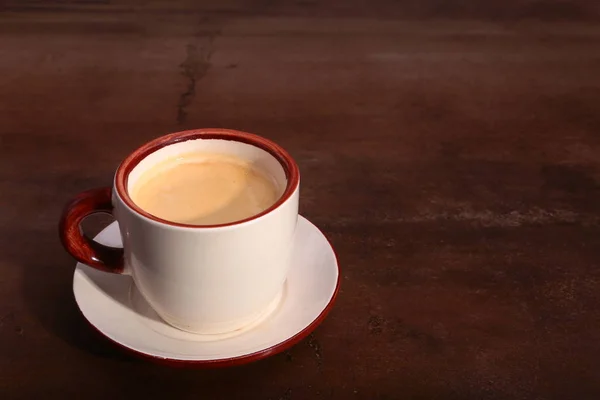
point(203, 279)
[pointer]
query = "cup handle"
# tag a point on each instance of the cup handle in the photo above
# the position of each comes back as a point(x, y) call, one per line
point(75, 241)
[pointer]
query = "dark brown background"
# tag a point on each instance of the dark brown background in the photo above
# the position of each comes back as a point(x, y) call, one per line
point(449, 149)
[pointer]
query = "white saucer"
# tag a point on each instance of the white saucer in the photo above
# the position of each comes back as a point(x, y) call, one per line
point(112, 305)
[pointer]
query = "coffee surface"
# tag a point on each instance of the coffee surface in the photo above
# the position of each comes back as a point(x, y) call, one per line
point(204, 189)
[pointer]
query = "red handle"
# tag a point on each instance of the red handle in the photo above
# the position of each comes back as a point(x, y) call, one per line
point(81, 247)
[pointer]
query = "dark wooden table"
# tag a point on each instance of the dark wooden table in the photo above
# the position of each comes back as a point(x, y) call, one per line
point(450, 150)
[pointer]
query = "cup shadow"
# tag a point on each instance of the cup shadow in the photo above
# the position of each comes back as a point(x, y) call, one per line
point(121, 289)
point(47, 293)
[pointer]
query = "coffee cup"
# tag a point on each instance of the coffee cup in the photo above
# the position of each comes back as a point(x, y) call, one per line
point(203, 277)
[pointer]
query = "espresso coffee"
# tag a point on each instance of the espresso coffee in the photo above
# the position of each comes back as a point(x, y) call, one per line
point(204, 189)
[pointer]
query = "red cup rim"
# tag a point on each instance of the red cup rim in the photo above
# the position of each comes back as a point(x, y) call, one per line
point(287, 162)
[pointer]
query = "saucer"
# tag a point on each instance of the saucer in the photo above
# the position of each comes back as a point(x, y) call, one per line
point(114, 307)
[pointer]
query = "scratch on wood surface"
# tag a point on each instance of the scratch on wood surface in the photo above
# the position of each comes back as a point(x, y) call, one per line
point(484, 218)
point(287, 395)
point(375, 324)
point(9, 319)
point(194, 68)
point(288, 356)
point(314, 344)
point(10, 316)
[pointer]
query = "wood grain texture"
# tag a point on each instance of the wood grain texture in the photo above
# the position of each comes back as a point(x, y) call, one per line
point(450, 150)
